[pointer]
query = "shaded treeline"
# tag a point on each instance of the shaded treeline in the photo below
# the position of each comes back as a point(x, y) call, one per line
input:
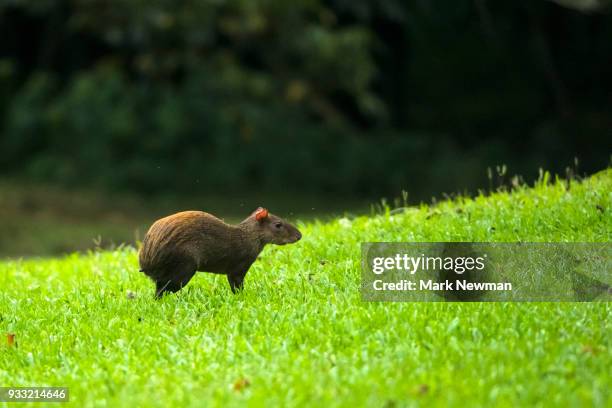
point(362, 98)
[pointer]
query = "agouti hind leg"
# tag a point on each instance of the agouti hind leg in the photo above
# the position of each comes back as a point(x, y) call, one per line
point(173, 283)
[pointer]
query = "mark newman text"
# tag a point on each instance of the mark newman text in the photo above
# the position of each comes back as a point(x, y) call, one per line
point(439, 286)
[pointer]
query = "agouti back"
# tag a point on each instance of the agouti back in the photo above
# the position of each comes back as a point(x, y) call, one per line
point(179, 245)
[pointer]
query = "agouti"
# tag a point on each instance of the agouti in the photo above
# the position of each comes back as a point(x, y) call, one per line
point(179, 245)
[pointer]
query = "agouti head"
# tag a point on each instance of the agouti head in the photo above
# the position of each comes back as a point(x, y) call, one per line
point(271, 229)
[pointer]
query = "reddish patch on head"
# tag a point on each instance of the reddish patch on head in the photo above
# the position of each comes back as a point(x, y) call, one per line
point(10, 339)
point(261, 213)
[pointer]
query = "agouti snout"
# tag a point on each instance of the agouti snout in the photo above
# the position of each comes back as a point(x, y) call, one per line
point(177, 246)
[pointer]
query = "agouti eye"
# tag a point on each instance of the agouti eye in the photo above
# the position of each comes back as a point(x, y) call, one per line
point(278, 225)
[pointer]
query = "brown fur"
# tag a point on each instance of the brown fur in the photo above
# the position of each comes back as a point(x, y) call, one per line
point(177, 246)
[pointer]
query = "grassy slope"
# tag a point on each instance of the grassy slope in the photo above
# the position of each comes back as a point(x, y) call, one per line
point(299, 332)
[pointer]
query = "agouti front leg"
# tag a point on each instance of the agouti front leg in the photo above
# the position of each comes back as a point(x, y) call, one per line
point(236, 276)
point(236, 281)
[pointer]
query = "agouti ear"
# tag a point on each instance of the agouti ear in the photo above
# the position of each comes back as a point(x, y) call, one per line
point(261, 214)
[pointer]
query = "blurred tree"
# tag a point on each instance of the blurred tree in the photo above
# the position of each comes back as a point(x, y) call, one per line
point(260, 49)
point(361, 97)
point(584, 5)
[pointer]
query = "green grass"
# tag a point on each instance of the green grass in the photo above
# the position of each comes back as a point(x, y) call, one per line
point(299, 333)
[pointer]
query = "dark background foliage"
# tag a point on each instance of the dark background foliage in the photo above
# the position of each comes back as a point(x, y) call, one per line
point(363, 98)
